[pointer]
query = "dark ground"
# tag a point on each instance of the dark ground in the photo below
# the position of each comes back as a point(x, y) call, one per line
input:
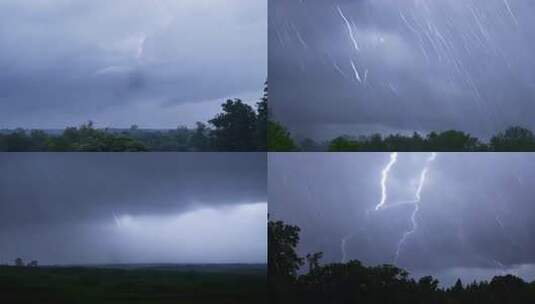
point(134, 284)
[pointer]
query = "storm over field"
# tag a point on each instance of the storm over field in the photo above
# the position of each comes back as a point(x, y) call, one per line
point(381, 66)
point(157, 64)
point(450, 215)
point(133, 208)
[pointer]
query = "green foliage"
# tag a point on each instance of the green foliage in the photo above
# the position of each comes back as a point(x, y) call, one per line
point(352, 282)
point(238, 128)
point(514, 139)
point(440, 142)
point(343, 144)
point(234, 129)
point(79, 285)
point(262, 121)
point(279, 139)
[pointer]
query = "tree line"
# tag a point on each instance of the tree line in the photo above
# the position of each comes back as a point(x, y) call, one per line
point(239, 127)
point(512, 139)
point(353, 282)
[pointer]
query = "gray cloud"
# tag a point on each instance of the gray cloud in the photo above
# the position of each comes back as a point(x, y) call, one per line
point(64, 62)
point(422, 66)
point(163, 207)
point(475, 213)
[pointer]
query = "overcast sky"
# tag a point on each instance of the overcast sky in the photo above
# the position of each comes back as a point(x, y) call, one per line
point(474, 217)
point(365, 66)
point(133, 208)
point(155, 63)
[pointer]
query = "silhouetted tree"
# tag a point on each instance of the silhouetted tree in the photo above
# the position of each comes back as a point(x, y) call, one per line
point(352, 282)
point(33, 264)
point(19, 262)
point(283, 261)
point(314, 260)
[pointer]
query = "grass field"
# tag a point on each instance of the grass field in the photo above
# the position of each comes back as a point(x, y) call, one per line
point(134, 284)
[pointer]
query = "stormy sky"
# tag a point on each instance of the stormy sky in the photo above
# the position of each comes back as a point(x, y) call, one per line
point(133, 208)
point(381, 66)
point(158, 63)
point(473, 218)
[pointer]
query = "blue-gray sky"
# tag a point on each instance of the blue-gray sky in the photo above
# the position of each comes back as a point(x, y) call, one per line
point(133, 208)
point(382, 66)
point(158, 63)
point(474, 218)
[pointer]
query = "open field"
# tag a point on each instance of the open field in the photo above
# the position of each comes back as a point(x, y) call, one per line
point(134, 284)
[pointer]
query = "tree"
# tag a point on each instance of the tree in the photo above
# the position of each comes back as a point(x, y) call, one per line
point(235, 127)
point(451, 140)
point(314, 260)
point(262, 121)
point(513, 139)
point(200, 140)
point(343, 144)
point(279, 139)
point(33, 264)
point(18, 141)
point(308, 144)
point(19, 262)
point(283, 261)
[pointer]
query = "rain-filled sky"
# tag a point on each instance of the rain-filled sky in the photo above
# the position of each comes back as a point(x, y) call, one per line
point(155, 63)
point(133, 208)
point(448, 215)
point(382, 66)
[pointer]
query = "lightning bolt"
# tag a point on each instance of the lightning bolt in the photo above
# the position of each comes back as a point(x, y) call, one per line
point(349, 29)
point(416, 203)
point(384, 196)
point(117, 221)
point(384, 179)
point(357, 75)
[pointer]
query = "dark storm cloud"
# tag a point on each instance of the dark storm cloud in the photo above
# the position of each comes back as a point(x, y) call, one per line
point(50, 187)
point(476, 210)
point(422, 65)
point(64, 62)
point(121, 208)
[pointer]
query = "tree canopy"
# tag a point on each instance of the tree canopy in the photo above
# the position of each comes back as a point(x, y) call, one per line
point(353, 282)
point(512, 139)
point(238, 128)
